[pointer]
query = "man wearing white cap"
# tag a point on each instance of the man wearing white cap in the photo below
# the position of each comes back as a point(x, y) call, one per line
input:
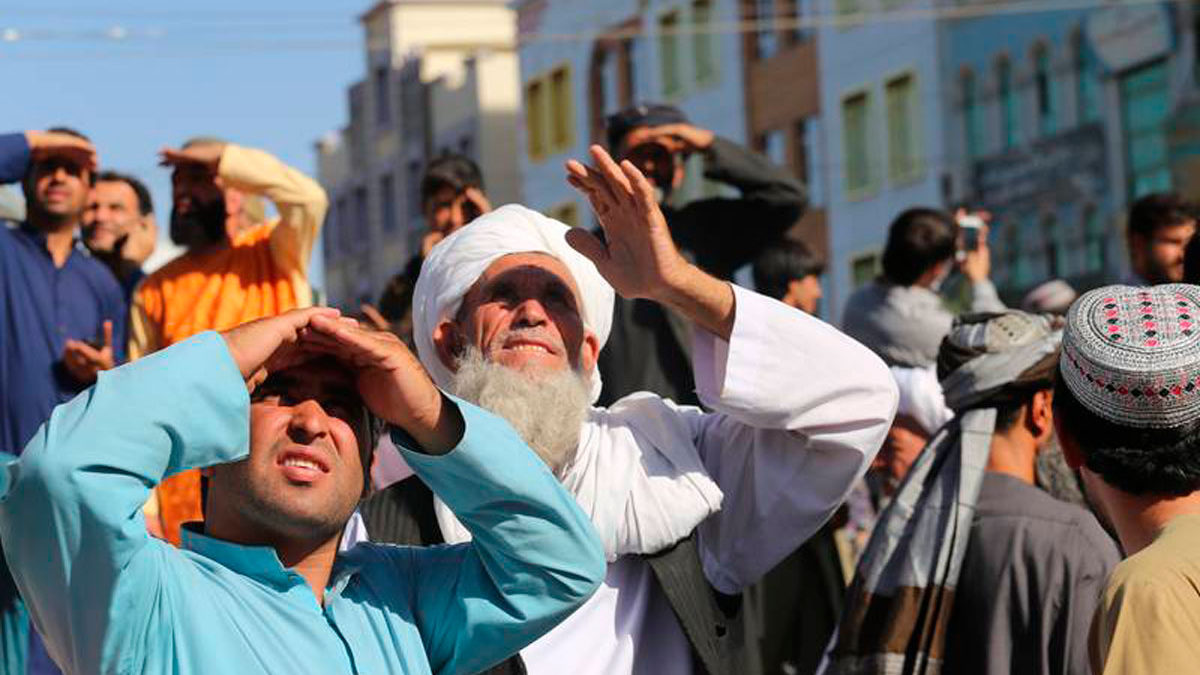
point(692, 506)
point(1127, 410)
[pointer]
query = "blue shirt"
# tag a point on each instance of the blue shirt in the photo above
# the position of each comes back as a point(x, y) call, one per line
point(109, 598)
point(41, 306)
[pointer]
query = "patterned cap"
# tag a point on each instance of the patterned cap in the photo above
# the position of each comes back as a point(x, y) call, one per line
point(1132, 355)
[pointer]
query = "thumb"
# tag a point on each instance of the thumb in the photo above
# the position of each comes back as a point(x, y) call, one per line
point(588, 245)
point(108, 334)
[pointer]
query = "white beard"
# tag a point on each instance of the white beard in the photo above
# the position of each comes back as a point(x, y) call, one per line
point(547, 408)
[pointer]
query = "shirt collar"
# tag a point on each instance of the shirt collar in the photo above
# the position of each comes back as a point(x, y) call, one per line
point(39, 236)
point(259, 562)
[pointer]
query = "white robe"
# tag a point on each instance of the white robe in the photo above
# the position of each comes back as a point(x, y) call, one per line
point(799, 411)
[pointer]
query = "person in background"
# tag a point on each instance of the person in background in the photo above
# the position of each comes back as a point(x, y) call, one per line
point(650, 346)
point(283, 414)
point(1050, 297)
point(237, 266)
point(119, 227)
point(62, 320)
point(452, 195)
point(901, 316)
point(1158, 232)
point(1129, 419)
point(971, 566)
point(790, 272)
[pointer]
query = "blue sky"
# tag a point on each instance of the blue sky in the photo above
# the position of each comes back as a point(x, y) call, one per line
point(135, 75)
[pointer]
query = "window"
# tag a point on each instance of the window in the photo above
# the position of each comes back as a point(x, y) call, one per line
point(972, 116)
point(849, 12)
point(864, 269)
point(1087, 82)
point(562, 128)
point(766, 41)
point(383, 100)
point(1043, 86)
point(668, 53)
point(789, 14)
point(566, 213)
point(1007, 98)
point(702, 42)
point(387, 202)
point(1144, 110)
point(535, 119)
point(1094, 241)
point(412, 188)
point(854, 137)
point(1052, 251)
point(361, 224)
point(773, 145)
point(902, 120)
point(801, 156)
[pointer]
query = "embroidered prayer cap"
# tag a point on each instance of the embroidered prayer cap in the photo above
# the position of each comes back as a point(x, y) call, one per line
point(457, 262)
point(1132, 355)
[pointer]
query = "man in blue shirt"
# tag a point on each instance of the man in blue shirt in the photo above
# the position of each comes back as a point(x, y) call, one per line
point(261, 587)
point(62, 316)
point(54, 297)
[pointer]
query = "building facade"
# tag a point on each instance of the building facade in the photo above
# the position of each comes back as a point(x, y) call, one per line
point(581, 61)
point(1060, 119)
point(441, 76)
point(881, 94)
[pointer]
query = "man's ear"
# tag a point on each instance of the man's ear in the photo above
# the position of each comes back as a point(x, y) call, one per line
point(450, 344)
point(589, 352)
point(1041, 414)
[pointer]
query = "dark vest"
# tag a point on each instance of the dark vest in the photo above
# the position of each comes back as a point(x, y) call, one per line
point(403, 514)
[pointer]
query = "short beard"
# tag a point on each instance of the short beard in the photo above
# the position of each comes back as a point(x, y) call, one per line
point(547, 408)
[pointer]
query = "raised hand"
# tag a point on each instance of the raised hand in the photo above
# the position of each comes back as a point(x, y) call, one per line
point(272, 344)
point(681, 138)
point(84, 362)
point(206, 155)
point(391, 381)
point(638, 256)
point(44, 145)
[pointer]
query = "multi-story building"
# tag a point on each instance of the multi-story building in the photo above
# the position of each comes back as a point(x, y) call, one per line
point(583, 60)
point(441, 75)
point(1059, 120)
point(883, 126)
point(783, 101)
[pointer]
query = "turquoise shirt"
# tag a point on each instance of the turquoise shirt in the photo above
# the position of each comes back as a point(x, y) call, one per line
point(110, 599)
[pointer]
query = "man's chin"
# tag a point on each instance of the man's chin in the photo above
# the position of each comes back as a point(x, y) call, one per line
point(530, 362)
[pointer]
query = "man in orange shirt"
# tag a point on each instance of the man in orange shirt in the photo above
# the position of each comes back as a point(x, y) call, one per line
point(238, 266)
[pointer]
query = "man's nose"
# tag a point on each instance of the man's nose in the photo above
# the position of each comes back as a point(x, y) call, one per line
point(309, 422)
point(531, 313)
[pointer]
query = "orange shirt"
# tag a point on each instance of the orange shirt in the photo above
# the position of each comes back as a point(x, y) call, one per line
point(262, 273)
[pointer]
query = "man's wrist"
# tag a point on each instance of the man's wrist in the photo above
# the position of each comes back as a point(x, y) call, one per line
point(438, 432)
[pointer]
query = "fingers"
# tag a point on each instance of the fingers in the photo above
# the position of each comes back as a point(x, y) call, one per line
point(642, 189)
point(617, 181)
point(587, 244)
point(480, 200)
point(376, 319)
point(108, 331)
point(588, 181)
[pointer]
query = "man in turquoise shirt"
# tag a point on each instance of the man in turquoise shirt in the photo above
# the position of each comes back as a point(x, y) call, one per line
point(262, 588)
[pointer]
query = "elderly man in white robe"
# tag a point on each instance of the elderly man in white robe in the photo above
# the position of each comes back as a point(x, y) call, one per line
point(512, 312)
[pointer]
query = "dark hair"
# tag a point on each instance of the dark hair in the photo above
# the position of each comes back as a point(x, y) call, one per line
point(70, 132)
point(1191, 262)
point(145, 203)
point(619, 124)
point(1136, 461)
point(1160, 209)
point(784, 262)
point(454, 171)
point(917, 240)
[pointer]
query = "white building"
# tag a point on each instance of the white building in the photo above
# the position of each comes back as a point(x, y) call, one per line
point(581, 60)
point(441, 75)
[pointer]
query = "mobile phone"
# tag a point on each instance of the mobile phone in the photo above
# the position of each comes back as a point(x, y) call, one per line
point(972, 227)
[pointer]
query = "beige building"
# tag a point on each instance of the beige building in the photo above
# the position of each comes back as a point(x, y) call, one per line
point(441, 76)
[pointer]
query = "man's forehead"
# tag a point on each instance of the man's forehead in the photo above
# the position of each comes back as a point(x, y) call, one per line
point(529, 262)
point(325, 375)
point(113, 190)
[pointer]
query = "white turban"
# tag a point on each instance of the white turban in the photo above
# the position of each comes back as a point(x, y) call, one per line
point(455, 264)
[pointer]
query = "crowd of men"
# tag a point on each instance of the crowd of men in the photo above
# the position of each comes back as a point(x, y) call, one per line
point(549, 449)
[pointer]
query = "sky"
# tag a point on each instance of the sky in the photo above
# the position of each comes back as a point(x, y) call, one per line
point(136, 75)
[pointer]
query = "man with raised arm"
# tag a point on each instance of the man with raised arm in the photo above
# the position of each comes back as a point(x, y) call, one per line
point(280, 414)
point(238, 265)
point(692, 506)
